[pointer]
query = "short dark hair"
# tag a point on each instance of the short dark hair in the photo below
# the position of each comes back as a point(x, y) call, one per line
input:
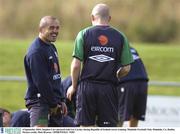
point(2, 110)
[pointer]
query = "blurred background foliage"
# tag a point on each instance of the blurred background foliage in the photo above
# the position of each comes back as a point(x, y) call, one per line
point(140, 20)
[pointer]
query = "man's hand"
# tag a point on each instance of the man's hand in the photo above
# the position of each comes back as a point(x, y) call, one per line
point(70, 92)
point(59, 109)
point(56, 110)
point(123, 71)
point(64, 108)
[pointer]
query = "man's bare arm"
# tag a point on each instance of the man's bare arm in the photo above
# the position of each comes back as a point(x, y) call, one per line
point(75, 72)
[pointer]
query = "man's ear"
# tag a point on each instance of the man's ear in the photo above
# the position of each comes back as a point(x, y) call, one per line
point(109, 19)
point(40, 30)
point(92, 17)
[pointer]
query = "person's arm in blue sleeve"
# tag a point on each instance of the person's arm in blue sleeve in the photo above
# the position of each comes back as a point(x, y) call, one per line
point(41, 78)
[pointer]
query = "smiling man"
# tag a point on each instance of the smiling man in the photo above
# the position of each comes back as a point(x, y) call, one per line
point(44, 96)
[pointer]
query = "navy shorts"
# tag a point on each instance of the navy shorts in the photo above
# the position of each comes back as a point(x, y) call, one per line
point(97, 103)
point(132, 100)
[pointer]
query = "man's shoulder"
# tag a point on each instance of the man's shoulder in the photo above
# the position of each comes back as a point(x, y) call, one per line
point(83, 31)
point(87, 28)
point(22, 112)
point(20, 118)
point(36, 48)
point(118, 31)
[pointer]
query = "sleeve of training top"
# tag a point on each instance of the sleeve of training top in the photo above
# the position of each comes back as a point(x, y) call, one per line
point(20, 119)
point(78, 48)
point(126, 57)
point(135, 54)
point(41, 78)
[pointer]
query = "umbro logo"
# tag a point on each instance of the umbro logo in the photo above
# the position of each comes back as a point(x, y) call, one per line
point(101, 58)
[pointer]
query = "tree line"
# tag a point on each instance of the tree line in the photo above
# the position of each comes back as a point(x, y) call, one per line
point(140, 20)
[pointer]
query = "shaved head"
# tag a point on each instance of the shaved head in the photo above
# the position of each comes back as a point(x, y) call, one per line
point(46, 20)
point(101, 11)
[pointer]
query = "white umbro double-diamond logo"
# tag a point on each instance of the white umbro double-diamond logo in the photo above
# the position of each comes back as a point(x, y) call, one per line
point(101, 58)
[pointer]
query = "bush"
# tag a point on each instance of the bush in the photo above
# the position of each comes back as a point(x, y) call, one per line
point(163, 31)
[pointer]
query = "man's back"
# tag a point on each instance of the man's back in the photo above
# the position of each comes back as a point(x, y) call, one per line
point(102, 49)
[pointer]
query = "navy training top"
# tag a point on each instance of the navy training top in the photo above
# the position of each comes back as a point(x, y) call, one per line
point(20, 118)
point(138, 71)
point(43, 74)
point(101, 49)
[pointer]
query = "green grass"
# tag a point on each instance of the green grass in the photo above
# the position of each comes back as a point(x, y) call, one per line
point(167, 91)
point(12, 54)
point(161, 61)
point(12, 95)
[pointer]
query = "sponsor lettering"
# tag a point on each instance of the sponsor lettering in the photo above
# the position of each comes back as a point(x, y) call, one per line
point(102, 49)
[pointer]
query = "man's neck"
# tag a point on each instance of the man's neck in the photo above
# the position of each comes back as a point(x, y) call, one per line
point(100, 23)
point(44, 40)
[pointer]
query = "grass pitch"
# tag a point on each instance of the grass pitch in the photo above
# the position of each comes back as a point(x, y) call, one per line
point(161, 61)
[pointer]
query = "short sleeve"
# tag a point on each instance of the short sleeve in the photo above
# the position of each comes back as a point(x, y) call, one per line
point(126, 57)
point(78, 48)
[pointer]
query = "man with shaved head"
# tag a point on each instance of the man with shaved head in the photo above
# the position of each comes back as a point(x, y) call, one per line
point(100, 48)
point(44, 96)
